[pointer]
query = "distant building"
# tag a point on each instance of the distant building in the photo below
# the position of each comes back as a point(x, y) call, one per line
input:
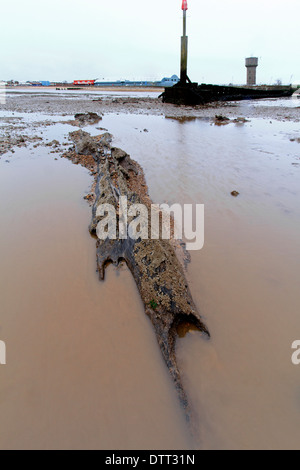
point(34, 83)
point(84, 82)
point(251, 65)
point(167, 82)
point(12, 83)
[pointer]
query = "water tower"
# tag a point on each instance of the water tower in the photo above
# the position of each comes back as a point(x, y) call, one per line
point(251, 64)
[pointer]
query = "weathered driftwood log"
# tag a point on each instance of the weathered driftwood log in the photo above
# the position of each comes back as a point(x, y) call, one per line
point(154, 265)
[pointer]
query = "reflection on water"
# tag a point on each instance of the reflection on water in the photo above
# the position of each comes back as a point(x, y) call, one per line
point(83, 367)
point(291, 102)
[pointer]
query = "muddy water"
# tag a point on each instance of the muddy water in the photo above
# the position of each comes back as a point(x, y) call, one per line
point(242, 384)
point(83, 368)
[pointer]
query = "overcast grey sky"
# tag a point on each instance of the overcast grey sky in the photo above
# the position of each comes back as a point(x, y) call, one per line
point(135, 39)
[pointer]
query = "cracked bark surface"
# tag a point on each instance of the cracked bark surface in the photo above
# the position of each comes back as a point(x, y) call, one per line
point(157, 271)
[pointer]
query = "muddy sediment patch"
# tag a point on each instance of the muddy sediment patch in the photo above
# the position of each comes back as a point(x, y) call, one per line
point(84, 119)
point(8, 142)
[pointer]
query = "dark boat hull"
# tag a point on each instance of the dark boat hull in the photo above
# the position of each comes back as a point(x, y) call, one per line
point(193, 94)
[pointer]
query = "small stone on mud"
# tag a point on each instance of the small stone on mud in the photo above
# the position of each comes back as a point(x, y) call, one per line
point(220, 117)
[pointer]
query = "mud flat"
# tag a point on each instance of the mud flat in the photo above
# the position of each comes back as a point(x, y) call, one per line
point(121, 102)
point(83, 367)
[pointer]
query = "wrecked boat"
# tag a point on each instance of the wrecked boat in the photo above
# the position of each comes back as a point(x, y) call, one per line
point(192, 94)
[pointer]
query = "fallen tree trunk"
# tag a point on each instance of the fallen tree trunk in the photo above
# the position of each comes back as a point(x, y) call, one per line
point(153, 263)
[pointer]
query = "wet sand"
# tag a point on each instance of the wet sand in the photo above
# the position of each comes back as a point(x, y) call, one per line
point(83, 367)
